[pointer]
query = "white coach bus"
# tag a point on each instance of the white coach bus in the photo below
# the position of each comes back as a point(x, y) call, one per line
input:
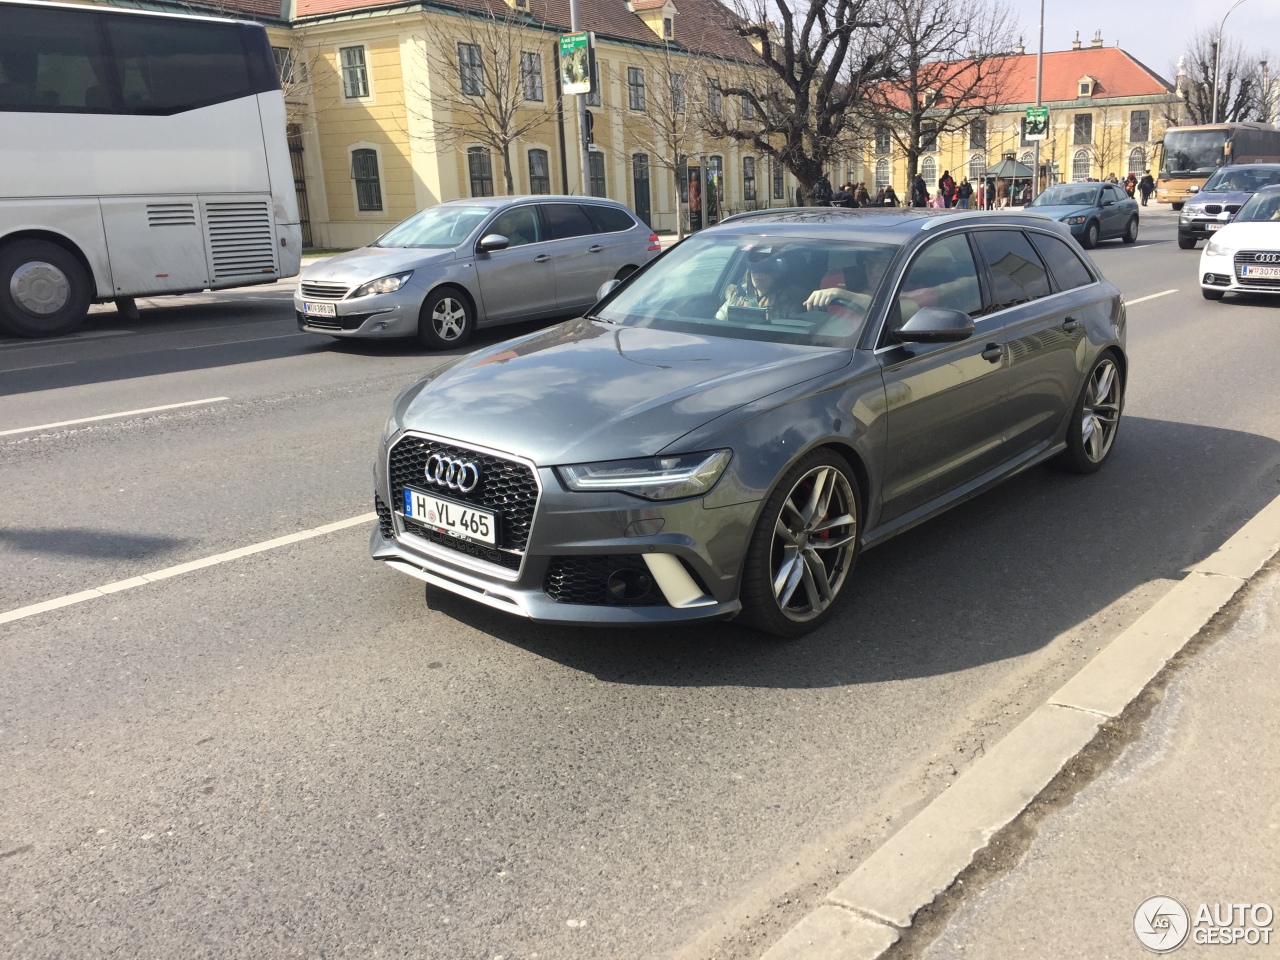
point(140, 154)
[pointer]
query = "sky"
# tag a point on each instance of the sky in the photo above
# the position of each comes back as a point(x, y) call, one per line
point(1154, 31)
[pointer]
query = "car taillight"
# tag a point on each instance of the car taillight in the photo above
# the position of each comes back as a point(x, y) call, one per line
point(653, 242)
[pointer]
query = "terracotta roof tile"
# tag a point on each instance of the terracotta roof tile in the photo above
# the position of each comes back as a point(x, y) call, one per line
point(1117, 74)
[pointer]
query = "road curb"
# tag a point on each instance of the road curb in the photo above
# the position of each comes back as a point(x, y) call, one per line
point(868, 912)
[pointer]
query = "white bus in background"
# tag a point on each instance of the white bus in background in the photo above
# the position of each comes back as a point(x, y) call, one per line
point(141, 154)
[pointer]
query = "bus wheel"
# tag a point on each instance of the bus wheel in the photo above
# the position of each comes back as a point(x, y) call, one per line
point(44, 291)
point(1176, 207)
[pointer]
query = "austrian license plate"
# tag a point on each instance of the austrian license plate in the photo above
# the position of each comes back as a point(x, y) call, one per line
point(319, 309)
point(1212, 226)
point(451, 518)
point(1260, 273)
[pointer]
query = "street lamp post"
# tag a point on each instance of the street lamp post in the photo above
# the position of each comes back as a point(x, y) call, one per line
point(1217, 59)
point(1035, 162)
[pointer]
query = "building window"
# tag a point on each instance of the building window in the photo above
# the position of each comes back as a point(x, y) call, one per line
point(978, 133)
point(1137, 161)
point(595, 168)
point(364, 171)
point(1080, 165)
point(977, 166)
point(539, 172)
point(882, 174)
point(928, 169)
point(779, 188)
point(355, 79)
point(1027, 159)
point(531, 75)
point(480, 166)
point(593, 98)
point(284, 63)
point(1082, 129)
point(748, 178)
point(748, 109)
point(715, 104)
point(1086, 88)
point(471, 70)
point(883, 140)
point(1139, 126)
point(666, 28)
point(677, 92)
point(928, 137)
point(635, 88)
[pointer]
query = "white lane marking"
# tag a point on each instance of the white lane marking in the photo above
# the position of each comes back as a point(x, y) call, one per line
point(111, 416)
point(1152, 296)
point(57, 603)
point(225, 343)
point(69, 338)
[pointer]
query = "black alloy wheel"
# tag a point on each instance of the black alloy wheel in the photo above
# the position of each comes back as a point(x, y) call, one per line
point(1096, 420)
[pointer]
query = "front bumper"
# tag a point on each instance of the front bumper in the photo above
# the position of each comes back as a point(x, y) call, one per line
point(1201, 228)
point(381, 315)
point(1219, 273)
point(691, 556)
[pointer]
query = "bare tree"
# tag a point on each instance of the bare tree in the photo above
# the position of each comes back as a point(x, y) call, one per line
point(486, 81)
point(812, 62)
point(948, 65)
point(1109, 137)
point(1239, 82)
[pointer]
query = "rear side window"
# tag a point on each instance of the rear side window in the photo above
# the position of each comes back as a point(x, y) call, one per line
point(566, 220)
point(943, 275)
point(1017, 275)
point(1067, 268)
point(609, 219)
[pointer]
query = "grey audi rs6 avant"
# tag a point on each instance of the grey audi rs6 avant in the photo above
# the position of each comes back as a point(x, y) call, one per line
point(725, 430)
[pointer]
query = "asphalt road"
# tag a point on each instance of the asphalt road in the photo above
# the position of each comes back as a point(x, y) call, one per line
point(291, 755)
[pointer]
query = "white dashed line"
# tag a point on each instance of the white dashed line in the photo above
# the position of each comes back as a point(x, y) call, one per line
point(110, 416)
point(1152, 296)
point(57, 603)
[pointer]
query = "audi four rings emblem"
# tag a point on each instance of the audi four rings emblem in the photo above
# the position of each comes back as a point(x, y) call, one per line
point(460, 475)
point(1266, 258)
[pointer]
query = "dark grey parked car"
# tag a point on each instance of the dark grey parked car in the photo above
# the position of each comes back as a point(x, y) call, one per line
point(724, 432)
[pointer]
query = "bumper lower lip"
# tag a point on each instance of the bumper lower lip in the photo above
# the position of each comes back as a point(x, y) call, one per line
point(382, 315)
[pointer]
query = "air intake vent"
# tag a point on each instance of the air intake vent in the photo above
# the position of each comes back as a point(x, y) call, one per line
point(171, 214)
point(240, 239)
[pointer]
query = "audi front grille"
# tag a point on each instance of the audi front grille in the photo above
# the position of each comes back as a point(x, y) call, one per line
point(507, 487)
point(1266, 258)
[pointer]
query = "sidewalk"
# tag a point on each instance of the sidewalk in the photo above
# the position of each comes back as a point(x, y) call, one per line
point(1190, 809)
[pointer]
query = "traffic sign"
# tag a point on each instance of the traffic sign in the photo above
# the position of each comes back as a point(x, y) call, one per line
point(1037, 123)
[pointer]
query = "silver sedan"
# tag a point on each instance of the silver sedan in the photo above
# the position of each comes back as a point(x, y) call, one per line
point(474, 263)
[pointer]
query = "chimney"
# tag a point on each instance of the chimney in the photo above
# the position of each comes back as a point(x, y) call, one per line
point(1097, 39)
point(1019, 49)
point(1075, 44)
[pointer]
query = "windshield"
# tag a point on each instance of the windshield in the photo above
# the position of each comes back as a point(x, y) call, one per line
point(1241, 180)
point(1066, 194)
point(442, 226)
point(1261, 206)
point(780, 289)
point(1191, 152)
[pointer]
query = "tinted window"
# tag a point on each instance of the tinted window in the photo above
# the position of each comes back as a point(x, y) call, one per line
point(566, 220)
point(942, 275)
point(519, 225)
point(1016, 273)
point(1067, 268)
point(168, 66)
point(609, 219)
point(1113, 193)
point(52, 61)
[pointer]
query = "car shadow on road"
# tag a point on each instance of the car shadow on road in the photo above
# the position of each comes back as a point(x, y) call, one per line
point(85, 542)
point(995, 578)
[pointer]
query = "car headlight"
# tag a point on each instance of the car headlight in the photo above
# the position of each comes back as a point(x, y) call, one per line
point(655, 478)
point(1218, 249)
point(384, 285)
point(1189, 213)
point(1074, 219)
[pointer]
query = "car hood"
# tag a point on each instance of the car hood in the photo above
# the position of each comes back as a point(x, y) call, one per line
point(585, 390)
point(1254, 235)
point(370, 263)
point(1060, 211)
point(1224, 197)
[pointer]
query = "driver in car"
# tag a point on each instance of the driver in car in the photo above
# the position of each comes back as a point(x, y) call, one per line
point(764, 288)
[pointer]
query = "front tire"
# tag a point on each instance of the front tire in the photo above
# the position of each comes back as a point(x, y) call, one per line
point(1096, 420)
point(1186, 243)
point(1212, 294)
point(1090, 238)
point(447, 320)
point(1131, 231)
point(44, 289)
point(803, 548)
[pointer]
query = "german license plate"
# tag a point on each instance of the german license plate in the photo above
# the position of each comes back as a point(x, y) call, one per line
point(319, 309)
point(1261, 273)
point(451, 518)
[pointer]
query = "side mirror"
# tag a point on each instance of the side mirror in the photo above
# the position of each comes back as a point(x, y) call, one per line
point(492, 242)
point(1108, 203)
point(606, 288)
point(935, 325)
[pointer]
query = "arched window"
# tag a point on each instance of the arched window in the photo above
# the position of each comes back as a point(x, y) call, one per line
point(1027, 159)
point(1137, 161)
point(929, 169)
point(539, 172)
point(480, 167)
point(977, 166)
point(882, 174)
point(1080, 166)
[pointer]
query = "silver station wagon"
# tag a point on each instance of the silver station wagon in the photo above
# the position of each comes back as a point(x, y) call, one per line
point(474, 263)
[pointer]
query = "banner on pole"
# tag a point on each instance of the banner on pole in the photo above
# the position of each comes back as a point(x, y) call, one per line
point(1037, 123)
point(575, 63)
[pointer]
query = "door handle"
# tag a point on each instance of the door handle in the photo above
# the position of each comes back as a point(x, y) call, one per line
point(596, 249)
point(993, 352)
point(542, 258)
point(1071, 325)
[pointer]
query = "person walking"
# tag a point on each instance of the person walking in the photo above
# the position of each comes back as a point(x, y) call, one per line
point(844, 197)
point(963, 192)
point(919, 192)
point(891, 196)
point(991, 193)
point(1146, 187)
point(1131, 184)
point(822, 192)
point(1002, 194)
point(862, 195)
point(946, 187)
